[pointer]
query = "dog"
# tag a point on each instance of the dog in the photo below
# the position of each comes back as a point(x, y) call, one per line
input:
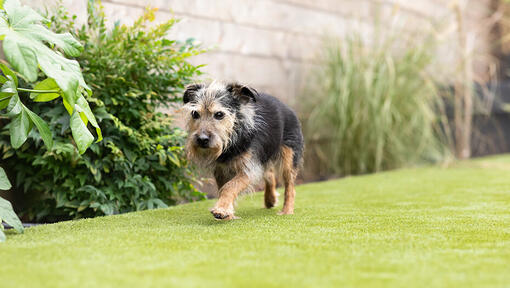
point(242, 137)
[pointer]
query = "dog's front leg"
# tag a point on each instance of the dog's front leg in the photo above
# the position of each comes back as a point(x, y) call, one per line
point(224, 208)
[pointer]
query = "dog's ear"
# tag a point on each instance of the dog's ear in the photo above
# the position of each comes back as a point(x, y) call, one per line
point(243, 94)
point(190, 93)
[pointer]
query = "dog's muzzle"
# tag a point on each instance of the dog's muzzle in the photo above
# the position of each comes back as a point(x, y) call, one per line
point(202, 140)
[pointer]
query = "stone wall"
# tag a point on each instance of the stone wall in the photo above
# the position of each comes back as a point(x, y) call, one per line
point(271, 44)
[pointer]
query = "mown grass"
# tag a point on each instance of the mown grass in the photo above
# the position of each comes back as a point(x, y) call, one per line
point(423, 227)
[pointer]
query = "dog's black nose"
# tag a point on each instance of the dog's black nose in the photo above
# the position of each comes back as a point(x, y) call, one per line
point(203, 140)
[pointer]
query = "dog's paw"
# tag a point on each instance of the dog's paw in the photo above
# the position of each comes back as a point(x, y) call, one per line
point(271, 200)
point(223, 214)
point(270, 203)
point(286, 212)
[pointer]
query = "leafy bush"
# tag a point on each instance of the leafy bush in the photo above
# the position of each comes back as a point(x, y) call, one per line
point(140, 164)
point(371, 107)
point(6, 212)
point(25, 41)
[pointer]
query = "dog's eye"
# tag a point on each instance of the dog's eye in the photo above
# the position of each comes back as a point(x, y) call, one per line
point(195, 114)
point(219, 115)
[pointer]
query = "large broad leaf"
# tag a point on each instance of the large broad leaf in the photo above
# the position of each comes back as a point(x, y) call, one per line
point(85, 109)
point(25, 49)
point(14, 107)
point(19, 129)
point(42, 127)
point(66, 41)
point(4, 181)
point(81, 134)
point(7, 214)
point(85, 112)
point(46, 84)
point(60, 72)
point(21, 56)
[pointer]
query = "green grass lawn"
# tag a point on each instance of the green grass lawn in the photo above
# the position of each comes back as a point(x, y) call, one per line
point(423, 227)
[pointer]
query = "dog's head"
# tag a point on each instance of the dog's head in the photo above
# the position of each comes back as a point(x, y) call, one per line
point(215, 113)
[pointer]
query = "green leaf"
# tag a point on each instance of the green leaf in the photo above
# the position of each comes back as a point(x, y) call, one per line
point(174, 159)
point(99, 135)
point(4, 181)
point(81, 134)
point(14, 107)
point(159, 203)
point(21, 56)
point(19, 15)
point(46, 84)
point(9, 72)
point(42, 127)
point(84, 105)
point(19, 129)
point(25, 48)
point(67, 106)
point(86, 112)
point(46, 97)
point(8, 88)
point(61, 71)
point(7, 214)
point(2, 235)
point(69, 45)
point(107, 209)
point(4, 103)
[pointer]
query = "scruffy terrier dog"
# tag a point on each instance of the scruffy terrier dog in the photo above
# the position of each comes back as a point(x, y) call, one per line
point(242, 137)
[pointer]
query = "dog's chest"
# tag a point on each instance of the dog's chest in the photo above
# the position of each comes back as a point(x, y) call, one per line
point(245, 164)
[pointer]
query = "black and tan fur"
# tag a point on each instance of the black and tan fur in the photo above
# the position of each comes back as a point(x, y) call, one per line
point(243, 137)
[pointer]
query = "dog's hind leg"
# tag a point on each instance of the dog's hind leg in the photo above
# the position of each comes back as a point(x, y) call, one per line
point(270, 194)
point(289, 177)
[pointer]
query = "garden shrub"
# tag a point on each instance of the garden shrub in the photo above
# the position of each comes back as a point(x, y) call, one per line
point(140, 164)
point(33, 52)
point(371, 107)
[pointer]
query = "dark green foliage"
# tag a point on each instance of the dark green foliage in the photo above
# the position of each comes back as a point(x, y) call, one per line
point(29, 47)
point(140, 164)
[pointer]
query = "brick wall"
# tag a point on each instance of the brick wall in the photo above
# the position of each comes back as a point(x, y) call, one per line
point(271, 44)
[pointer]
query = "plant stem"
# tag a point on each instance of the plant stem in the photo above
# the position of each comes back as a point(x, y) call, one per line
point(38, 91)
